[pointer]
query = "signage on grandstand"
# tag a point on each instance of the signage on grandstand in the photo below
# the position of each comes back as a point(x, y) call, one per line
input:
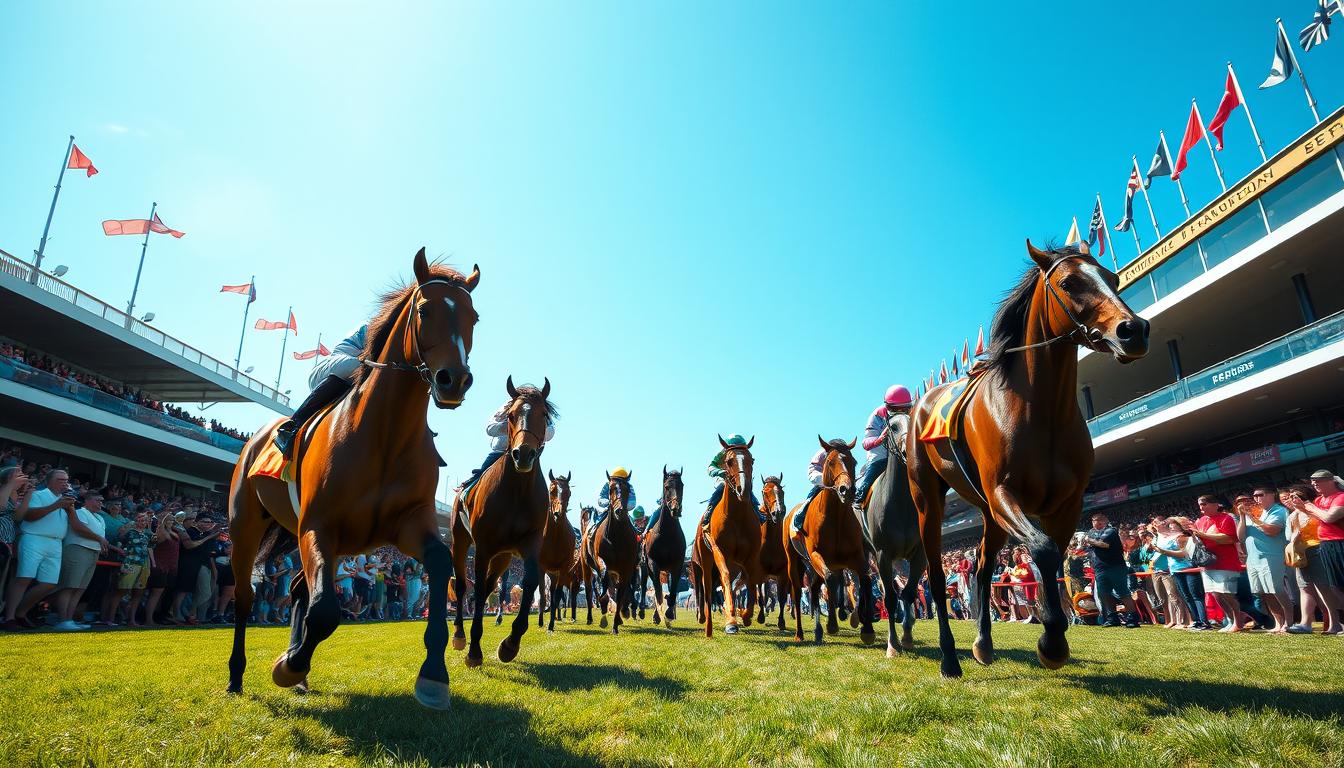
point(1109, 496)
point(1306, 149)
point(1249, 461)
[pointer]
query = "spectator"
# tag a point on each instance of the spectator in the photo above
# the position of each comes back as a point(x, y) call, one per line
point(1261, 526)
point(1315, 520)
point(14, 489)
point(223, 577)
point(135, 540)
point(1110, 574)
point(1134, 564)
point(412, 572)
point(193, 574)
point(84, 542)
point(1174, 610)
point(163, 566)
point(42, 531)
point(1216, 528)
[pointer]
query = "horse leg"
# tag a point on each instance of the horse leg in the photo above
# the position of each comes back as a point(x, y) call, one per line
point(658, 610)
point(835, 586)
point(431, 685)
point(587, 585)
point(991, 542)
point(247, 526)
point(485, 584)
point(460, 545)
point(707, 585)
point(918, 564)
point(555, 605)
point(729, 599)
point(1052, 649)
point(930, 505)
point(503, 595)
point(508, 647)
point(889, 599)
point(814, 597)
point(299, 594)
point(321, 618)
point(541, 602)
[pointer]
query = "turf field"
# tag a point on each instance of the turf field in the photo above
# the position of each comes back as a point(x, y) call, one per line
point(1145, 697)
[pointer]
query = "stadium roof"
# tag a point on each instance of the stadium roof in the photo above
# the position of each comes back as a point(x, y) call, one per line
point(50, 315)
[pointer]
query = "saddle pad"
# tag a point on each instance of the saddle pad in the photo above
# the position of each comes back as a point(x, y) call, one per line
point(271, 463)
point(944, 421)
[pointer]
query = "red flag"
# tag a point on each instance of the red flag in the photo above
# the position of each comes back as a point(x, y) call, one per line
point(138, 227)
point(966, 355)
point(80, 160)
point(955, 370)
point(1230, 102)
point(246, 289)
point(158, 226)
point(942, 373)
point(1193, 131)
point(276, 325)
point(980, 342)
point(321, 351)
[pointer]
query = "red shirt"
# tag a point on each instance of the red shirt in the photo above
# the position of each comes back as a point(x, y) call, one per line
point(1330, 531)
point(1225, 554)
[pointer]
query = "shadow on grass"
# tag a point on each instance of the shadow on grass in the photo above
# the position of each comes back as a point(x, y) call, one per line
point(1169, 697)
point(564, 678)
point(380, 726)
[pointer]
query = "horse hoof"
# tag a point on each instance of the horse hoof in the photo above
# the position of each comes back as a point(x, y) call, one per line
point(951, 669)
point(1052, 655)
point(731, 629)
point(832, 630)
point(892, 652)
point(282, 675)
point(302, 688)
point(550, 631)
point(473, 661)
point(908, 643)
point(817, 636)
point(507, 651)
point(867, 638)
point(854, 620)
point(984, 654)
point(459, 643)
point(234, 690)
point(603, 622)
point(432, 694)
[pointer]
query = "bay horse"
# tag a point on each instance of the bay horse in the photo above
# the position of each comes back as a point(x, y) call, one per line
point(613, 540)
point(506, 512)
point(557, 546)
point(664, 548)
point(363, 475)
point(773, 559)
point(1026, 457)
point(584, 569)
point(732, 546)
point(893, 522)
point(833, 543)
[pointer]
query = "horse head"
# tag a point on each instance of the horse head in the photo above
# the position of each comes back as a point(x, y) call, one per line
point(528, 415)
point(737, 465)
point(673, 489)
point(618, 494)
point(837, 470)
point(559, 492)
point(772, 497)
point(1093, 314)
point(440, 326)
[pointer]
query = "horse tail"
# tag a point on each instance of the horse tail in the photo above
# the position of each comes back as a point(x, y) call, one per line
point(277, 538)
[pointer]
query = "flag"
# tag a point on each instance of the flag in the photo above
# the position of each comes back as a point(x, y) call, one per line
point(246, 289)
point(955, 370)
point(942, 373)
point(276, 325)
point(966, 355)
point(980, 342)
point(1130, 188)
point(1193, 131)
point(138, 227)
point(1318, 30)
point(1096, 230)
point(1282, 68)
point(80, 160)
point(321, 351)
point(1161, 165)
point(1073, 237)
point(1225, 107)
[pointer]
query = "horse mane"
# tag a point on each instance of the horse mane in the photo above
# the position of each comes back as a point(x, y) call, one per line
point(840, 445)
point(527, 391)
point(1009, 328)
point(771, 479)
point(390, 305)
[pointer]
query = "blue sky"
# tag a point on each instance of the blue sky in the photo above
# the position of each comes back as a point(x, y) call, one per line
point(692, 219)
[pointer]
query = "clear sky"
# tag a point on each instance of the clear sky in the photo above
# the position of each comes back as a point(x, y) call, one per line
point(693, 220)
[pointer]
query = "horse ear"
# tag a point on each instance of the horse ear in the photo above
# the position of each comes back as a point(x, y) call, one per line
point(664, 471)
point(608, 477)
point(853, 443)
point(545, 388)
point(825, 446)
point(751, 442)
point(508, 385)
point(725, 445)
point(550, 475)
point(569, 477)
point(781, 479)
point(1085, 248)
point(629, 476)
point(472, 279)
point(1042, 259)
point(421, 267)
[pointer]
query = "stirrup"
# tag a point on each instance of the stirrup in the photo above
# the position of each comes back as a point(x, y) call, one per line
point(283, 438)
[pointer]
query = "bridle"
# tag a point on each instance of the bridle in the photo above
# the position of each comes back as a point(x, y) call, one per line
point(847, 474)
point(1088, 337)
point(741, 486)
point(559, 502)
point(668, 486)
point(420, 368)
point(527, 411)
point(777, 511)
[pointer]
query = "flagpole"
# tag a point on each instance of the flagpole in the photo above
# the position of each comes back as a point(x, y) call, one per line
point(283, 344)
point(1106, 233)
point(1199, 118)
point(1236, 84)
point(42, 246)
point(130, 308)
point(1143, 186)
point(251, 291)
point(318, 356)
point(1311, 100)
point(1185, 202)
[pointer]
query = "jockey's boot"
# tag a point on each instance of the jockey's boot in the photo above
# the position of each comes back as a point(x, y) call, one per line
point(284, 437)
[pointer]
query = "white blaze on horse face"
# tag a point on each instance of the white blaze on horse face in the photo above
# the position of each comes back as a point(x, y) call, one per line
point(741, 474)
point(1102, 287)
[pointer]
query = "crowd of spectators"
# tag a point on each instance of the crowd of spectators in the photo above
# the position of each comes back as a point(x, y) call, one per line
point(42, 362)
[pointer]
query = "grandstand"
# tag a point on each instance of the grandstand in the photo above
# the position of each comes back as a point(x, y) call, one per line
point(1245, 371)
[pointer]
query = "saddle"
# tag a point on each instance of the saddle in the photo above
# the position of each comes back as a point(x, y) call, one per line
point(945, 417)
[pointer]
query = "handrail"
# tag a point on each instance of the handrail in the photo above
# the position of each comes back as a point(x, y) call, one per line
point(53, 285)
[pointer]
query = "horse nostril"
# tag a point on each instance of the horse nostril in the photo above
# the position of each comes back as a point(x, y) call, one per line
point(466, 381)
point(1129, 330)
point(443, 379)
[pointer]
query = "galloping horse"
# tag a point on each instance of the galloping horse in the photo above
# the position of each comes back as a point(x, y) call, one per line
point(505, 514)
point(583, 568)
point(613, 540)
point(1026, 451)
point(732, 546)
point(665, 549)
point(773, 559)
point(557, 545)
point(834, 543)
point(363, 475)
point(893, 522)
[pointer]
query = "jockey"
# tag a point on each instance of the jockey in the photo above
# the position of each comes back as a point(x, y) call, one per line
point(896, 403)
point(814, 470)
point(603, 507)
point(330, 380)
point(639, 521)
point(717, 472)
point(497, 428)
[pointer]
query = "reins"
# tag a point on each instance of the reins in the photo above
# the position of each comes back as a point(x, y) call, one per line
point(420, 368)
point(1089, 335)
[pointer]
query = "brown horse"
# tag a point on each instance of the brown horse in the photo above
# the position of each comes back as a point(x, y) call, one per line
point(506, 512)
point(774, 561)
point(557, 546)
point(833, 543)
point(1026, 451)
point(664, 547)
point(364, 474)
point(613, 541)
point(732, 547)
